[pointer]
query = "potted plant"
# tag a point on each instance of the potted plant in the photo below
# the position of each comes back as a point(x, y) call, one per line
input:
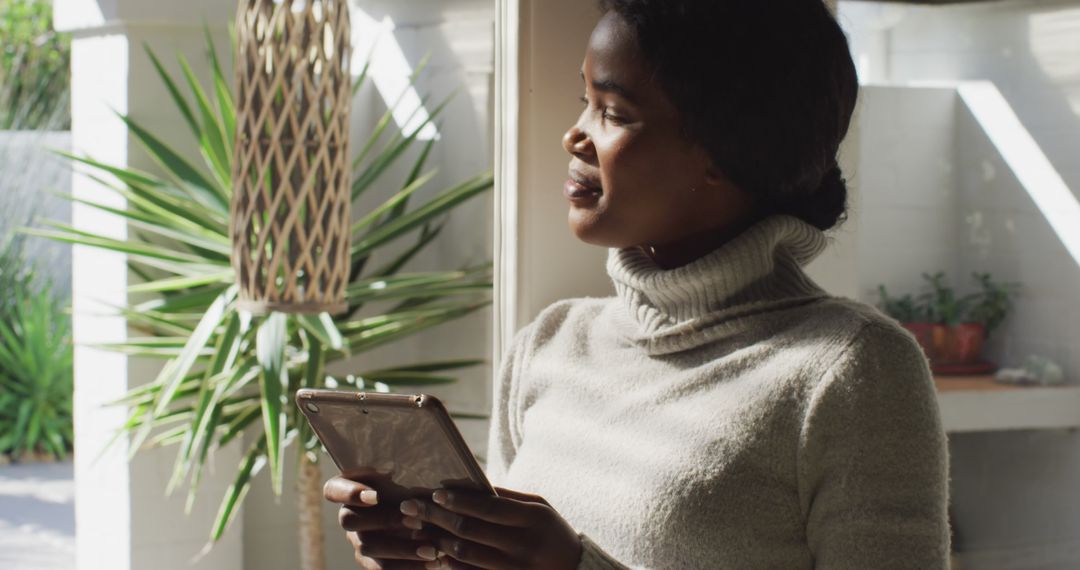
point(911, 313)
point(229, 374)
point(951, 328)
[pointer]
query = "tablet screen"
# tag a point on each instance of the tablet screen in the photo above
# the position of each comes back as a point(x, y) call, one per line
point(402, 449)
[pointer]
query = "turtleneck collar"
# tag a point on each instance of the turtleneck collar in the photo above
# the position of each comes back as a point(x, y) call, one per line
point(757, 271)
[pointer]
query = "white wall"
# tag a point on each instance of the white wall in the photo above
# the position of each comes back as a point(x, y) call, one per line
point(32, 178)
point(1015, 494)
point(909, 214)
point(1029, 48)
point(938, 196)
point(1004, 233)
point(1017, 491)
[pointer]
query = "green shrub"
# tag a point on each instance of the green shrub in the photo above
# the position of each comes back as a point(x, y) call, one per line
point(35, 336)
point(34, 68)
point(35, 377)
point(15, 276)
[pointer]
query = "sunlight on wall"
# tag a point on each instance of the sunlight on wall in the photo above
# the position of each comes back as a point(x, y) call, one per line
point(1030, 166)
point(867, 26)
point(390, 71)
point(1055, 43)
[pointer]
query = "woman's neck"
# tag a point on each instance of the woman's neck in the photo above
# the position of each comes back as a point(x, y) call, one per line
point(695, 246)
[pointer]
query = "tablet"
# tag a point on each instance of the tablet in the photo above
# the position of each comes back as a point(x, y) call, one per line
point(403, 446)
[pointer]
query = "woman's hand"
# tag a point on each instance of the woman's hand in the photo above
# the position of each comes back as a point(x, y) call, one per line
point(509, 532)
point(380, 539)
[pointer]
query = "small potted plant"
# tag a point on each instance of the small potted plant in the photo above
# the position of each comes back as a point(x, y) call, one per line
point(950, 328)
point(912, 315)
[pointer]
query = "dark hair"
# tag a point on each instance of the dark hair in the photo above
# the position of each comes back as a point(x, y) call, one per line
point(767, 87)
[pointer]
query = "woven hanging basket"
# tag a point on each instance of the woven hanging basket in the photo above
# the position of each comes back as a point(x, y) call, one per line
point(289, 217)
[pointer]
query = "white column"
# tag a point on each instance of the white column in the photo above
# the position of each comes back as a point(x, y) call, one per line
point(123, 520)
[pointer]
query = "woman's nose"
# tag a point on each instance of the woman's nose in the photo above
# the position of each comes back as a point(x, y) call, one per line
point(577, 143)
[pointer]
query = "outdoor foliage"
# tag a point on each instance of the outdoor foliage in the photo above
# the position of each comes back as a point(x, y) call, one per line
point(35, 377)
point(35, 362)
point(15, 275)
point(35, 352)
point(34, 68)
point(227, 373)
point(941, 304)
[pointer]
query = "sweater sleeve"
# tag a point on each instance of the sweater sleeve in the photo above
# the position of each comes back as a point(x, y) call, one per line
point(594, 558)
point(873, 459)
point(504, 435)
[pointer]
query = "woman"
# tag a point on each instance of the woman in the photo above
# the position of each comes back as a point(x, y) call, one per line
point(721, 411)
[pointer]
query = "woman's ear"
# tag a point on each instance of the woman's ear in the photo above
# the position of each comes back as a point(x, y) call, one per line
point(715, 178)
point(711, 176)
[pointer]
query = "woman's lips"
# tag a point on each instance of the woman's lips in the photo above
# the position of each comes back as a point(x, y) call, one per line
point(578, 192)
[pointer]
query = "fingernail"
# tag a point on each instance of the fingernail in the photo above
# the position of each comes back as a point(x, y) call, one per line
point(409, 508)
point(369, 497)
point(412, 522)
point(427, 552)
point(440, 497)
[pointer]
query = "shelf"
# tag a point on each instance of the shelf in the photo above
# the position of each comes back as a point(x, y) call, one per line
point(978, 403)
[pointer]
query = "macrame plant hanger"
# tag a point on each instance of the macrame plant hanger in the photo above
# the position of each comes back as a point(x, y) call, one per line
point(289, 217)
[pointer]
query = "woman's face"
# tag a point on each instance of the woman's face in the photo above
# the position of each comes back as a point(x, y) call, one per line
point(635, 180)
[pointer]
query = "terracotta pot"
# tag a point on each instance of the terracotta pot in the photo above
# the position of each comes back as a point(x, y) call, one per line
point(960, 344)
point(924, 334)
point(944, 344)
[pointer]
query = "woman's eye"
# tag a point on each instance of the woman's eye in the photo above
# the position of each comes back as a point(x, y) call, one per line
point(604, 114)
point(612, 118)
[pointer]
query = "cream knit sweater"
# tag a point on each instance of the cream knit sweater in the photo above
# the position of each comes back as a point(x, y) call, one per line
point(728, 414)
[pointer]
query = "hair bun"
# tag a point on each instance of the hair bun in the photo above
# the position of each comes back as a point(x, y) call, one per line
point(825, 207)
